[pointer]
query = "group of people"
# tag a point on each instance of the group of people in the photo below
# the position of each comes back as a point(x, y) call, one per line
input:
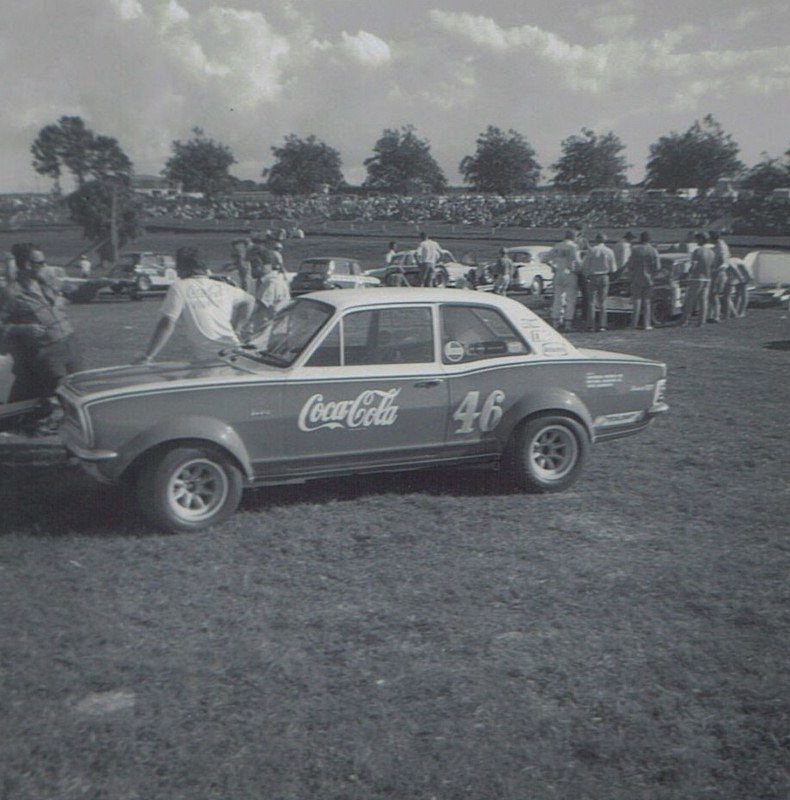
point(717, 284)
point(36, 332)
point(427, 256)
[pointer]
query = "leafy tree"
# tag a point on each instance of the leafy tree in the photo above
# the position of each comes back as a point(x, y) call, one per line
point(402, 163)
point(200, 164)
point(504, 164)
point(590, 161)
point(768, 174)
point(69, 144)
point(696, 158)
point(109, 213)
point(303, 166)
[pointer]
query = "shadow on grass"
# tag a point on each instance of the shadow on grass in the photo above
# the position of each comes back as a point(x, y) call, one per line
point(60, 498)
point(781, 344)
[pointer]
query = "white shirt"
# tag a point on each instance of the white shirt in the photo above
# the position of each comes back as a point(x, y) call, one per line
point(429, 252)
point(209, 305)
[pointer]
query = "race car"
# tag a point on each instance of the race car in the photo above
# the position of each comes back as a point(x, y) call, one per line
point(358, 381)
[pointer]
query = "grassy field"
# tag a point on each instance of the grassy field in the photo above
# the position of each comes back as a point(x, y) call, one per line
point(430, 635)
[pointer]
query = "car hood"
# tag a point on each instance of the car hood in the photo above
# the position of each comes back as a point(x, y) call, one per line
point(112, 379)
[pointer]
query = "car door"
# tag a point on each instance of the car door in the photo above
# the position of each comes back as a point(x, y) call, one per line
point(371, 395)
point(483, 359)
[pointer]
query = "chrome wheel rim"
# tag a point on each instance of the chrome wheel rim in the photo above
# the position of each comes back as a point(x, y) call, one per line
point(553, 452)
point(197, 490)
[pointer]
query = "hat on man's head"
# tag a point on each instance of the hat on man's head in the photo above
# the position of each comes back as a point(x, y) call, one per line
point(37, 257)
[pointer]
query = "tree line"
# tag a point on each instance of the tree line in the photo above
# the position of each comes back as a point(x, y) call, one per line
point(503, 163)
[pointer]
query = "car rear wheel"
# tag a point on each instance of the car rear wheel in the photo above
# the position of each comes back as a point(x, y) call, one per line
point(440, 277)
point(548, 453)
point(661, 311)
point(536, 287)
point(189, 488)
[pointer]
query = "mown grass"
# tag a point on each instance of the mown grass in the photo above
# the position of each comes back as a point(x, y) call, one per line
point(425, 635)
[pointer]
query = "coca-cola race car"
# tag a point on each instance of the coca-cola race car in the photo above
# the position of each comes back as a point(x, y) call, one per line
point(341, 383)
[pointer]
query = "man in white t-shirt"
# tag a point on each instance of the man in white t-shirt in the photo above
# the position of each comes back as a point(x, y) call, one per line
point(427, 256)
point(270, 289)
point(213, 311)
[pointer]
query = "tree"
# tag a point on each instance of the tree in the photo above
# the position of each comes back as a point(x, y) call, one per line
point(590, 161)
point(697, 158)
point(403, 163)
point(303, 166)
point(109, 213)
point(69, 144)
point(200, 164)
point(504, 164)
point(768, 174)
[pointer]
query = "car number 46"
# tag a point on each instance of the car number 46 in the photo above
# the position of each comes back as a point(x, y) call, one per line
point(487, 418)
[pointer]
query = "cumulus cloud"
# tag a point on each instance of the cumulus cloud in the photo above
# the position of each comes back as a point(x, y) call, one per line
point(366, 48)
point(128, 9)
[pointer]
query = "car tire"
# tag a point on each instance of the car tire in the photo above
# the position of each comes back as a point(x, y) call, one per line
point(661, 312)
point(440, 278)
point(548, 453)
point(393, 279)
point(142, 284)
point(186, 489)
point(536, 287)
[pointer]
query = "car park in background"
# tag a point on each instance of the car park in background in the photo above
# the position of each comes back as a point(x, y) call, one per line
point(770, 284)
point(352, 382)
point(331, 272)
point(449, 271)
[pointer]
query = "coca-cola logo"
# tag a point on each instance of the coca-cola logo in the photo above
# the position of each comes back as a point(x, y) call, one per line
point(370, 408)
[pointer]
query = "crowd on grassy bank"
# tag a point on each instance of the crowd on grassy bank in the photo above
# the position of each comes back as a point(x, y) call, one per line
point(542, 209)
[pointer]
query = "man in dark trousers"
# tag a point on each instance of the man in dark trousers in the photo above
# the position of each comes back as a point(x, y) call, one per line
point(644, 265)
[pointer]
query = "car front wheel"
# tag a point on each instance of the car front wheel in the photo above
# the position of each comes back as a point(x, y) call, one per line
point(189, 488)
point(440, 278)
point(536, 287)
point(548, 453)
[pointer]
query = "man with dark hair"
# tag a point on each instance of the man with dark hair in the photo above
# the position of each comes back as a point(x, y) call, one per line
point(34, 328)
point(644, 265)
point(427, 256)
point(597, 266)
point(215, 311)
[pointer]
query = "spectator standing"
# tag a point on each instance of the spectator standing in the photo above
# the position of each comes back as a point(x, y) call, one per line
point(644, 265)
point(502, 272)
point(391, 252)
point(564, 258)
point(690, 245)
point(622, 250)
point(736, 292)
point(427, 256)
point(85, 266)
point(581, 278)
point(214, 311)
point(240, 263)
point(698, 291)
point(34, 328)
point(718, 277)
point(270, 289)
point(598, 264)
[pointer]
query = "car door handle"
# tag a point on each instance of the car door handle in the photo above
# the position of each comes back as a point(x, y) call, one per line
point(428, 383)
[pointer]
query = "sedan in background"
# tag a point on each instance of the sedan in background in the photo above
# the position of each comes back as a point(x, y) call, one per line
point(330, 272)
point(449, 272)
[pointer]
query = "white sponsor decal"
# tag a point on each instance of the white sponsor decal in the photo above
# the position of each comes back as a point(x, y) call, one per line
point(648, 387)
point(454, 351)
point(490, 415)
point(595, 381)
point(371, 407)
point(624, 418)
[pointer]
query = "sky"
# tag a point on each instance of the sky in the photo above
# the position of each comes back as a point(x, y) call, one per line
point(251, 72)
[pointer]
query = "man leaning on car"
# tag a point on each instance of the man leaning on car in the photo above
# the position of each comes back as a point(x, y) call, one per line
point(215, 310)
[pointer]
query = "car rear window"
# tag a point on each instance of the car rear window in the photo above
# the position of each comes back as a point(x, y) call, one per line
point(473, 333)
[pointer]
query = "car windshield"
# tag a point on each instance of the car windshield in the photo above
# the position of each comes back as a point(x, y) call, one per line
point(284, 338)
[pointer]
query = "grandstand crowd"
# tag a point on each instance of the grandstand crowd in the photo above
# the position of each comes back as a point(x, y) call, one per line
point(736, 214)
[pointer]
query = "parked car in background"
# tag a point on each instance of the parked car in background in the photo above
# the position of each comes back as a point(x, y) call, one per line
point(75, 290)
point(531, 274)
point(770, 283)
point(141, 273)
point(449, 272)
point(352, 382)
point(330, 272)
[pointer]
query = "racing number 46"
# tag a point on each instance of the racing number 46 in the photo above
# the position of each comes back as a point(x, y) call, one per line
point(487, 418)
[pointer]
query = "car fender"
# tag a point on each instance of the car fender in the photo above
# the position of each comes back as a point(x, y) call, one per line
point(194, 428)
point(543, 401)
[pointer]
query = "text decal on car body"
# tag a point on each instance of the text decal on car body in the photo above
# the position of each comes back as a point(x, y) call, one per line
point(368, 408)
point(486, 419)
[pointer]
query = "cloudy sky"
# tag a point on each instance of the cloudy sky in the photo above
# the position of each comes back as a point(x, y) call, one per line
point(250, 72)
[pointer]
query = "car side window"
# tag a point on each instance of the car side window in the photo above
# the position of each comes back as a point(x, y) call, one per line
point(380, 336)
point(474, 333)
